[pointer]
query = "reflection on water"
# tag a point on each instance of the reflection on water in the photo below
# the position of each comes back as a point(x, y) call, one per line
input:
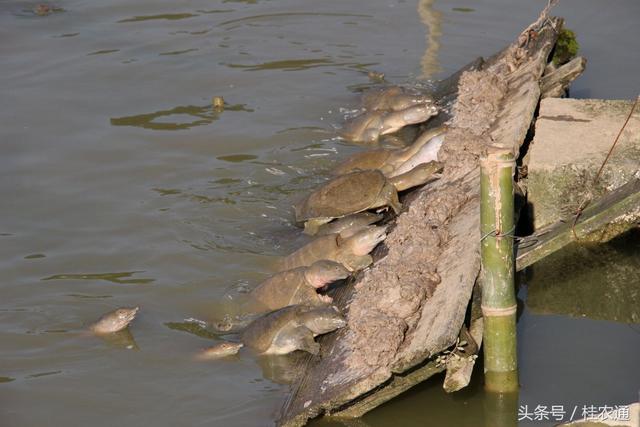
point(501, 409)
point(432, 19)
point(121, 278)
point(121, 340)
point(595, 281)
point(282, 369)
point(199, 115)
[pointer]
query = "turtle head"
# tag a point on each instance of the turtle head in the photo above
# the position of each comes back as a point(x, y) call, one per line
point(419, 113)
point(115, 321)
point(365, 240)
point(321, 273)
point(419, 175)
point(323, 319)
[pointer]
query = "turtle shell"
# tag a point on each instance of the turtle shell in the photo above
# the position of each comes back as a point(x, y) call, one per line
point(374, 159)
point(343, 195)
point(262, 332)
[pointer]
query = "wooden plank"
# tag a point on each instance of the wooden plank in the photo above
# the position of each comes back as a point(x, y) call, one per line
point(555, 83)
point(610, 216)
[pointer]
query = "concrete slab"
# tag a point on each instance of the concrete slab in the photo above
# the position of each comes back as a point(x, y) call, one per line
point(572, 139)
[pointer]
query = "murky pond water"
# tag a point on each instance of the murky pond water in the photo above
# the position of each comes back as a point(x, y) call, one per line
point(120, 185)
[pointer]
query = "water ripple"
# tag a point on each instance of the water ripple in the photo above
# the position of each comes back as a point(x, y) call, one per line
point(166, 16)
point(121, 278)
point(200, 115)
point(287, 14)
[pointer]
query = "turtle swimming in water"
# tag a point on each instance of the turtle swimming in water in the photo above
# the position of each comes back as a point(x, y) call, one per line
point(219, 351)
point(283, 331)
point(359, 191)
point(389, 160)
point(114, 321)
point(298, 286)
point(352, 252)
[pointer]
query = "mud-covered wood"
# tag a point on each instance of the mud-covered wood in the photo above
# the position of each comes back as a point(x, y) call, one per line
point(603, 220)
point(334, 384)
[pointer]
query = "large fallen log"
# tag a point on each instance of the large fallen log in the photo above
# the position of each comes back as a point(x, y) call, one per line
point(410, 306)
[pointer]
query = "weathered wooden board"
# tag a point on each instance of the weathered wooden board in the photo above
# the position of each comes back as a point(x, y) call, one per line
point(610, 216)
point(331, 385)
point(556, 83)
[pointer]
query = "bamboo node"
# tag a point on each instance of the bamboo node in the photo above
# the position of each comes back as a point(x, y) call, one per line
point(499, 311)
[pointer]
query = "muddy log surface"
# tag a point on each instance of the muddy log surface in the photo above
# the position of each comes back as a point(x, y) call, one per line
point(410, 305)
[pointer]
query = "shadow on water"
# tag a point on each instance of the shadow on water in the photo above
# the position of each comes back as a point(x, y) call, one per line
point(198, 115)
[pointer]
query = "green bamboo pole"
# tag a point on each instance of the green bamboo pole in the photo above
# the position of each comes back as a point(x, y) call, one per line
point(497, 277)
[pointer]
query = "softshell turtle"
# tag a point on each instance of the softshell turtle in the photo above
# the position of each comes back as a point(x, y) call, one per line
point(353, 252)
point(388, 160)
point(348, 225)
point(219, 351)
point(368, 127)
point(283, 331)
point(428, 152)
point(393, 98)
point(292, 328)
point(298, 286)
point(359, 191)
point(114, 321)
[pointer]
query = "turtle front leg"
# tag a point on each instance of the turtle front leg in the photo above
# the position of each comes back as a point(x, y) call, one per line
point(296, 338)
point(356, 262)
